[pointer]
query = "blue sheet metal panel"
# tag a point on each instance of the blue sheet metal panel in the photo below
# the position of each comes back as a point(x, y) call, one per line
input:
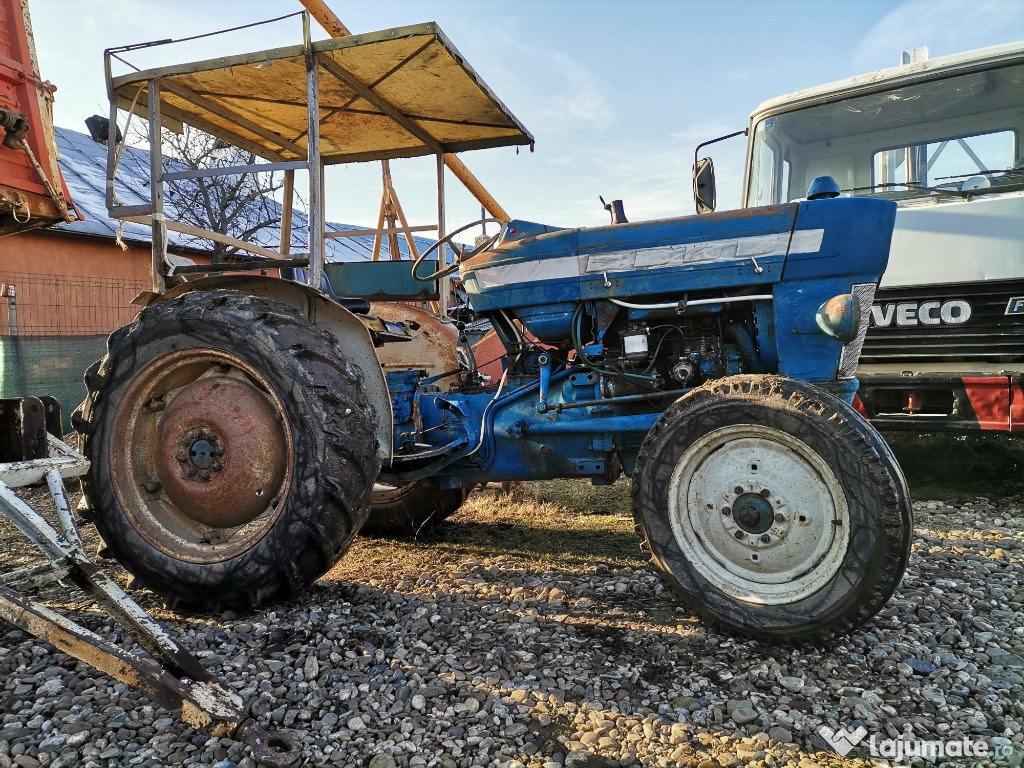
point(675, 281)
point(382, 280)
point(804, 352)
point(535, 265)
point(854, 248)
point(858, 232)
point(769, 219)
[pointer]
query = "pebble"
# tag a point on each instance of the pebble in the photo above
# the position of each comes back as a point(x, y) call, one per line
point(502, 663)
point(920, 667)
point(794, 684)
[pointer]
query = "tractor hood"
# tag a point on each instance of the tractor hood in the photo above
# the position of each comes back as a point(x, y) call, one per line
point(666, 260)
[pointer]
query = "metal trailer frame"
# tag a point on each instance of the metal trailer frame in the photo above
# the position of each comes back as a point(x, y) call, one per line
point(304, 149)
point(168, 674)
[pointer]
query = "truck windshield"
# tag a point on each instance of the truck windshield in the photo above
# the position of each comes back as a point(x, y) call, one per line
point(946, 137)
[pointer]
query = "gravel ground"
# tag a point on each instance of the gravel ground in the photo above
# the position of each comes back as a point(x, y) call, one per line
point(490, 657)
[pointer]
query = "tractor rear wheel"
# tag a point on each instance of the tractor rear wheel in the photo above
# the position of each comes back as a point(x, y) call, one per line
point(773, 509)
point(413, 508)
point(233, 452)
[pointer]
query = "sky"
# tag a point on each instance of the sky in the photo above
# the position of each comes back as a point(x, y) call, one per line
point(616, 94)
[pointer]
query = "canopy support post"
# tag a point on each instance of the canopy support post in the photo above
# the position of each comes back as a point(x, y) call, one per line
point(316, 197)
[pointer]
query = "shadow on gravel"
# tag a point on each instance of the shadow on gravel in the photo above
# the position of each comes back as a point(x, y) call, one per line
point(959, 467)
point(570, 547)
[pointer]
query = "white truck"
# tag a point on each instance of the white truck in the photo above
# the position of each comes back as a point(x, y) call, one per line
point(941, 137)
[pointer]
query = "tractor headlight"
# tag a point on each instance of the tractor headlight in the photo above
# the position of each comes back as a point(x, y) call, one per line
point(839, 317)
point(864, 295)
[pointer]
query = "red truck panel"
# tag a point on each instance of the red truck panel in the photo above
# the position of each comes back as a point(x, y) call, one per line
point(22, 92)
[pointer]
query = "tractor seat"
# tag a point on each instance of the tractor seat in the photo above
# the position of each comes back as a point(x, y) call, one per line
point(354, 305)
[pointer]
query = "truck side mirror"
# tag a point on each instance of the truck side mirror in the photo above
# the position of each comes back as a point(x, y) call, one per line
point(704, 185)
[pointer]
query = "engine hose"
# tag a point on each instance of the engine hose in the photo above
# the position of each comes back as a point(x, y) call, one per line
point(741, 337)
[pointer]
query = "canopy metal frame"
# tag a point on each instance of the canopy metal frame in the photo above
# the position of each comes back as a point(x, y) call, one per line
point(426, 124)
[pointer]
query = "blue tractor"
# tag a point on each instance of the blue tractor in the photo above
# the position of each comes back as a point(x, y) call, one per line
point(243, 429)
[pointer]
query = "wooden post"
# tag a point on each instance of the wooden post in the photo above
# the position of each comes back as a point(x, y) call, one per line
point(286, 212)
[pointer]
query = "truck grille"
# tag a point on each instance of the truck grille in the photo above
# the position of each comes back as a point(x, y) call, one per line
point(946, 323)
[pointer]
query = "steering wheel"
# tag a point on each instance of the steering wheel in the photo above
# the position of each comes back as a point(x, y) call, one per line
point(462, 252)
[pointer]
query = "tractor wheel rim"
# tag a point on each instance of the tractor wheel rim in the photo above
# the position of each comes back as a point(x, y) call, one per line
point(200, 453)
point(759, 514)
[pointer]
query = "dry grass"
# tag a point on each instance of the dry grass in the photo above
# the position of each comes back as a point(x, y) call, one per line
point(565, 525)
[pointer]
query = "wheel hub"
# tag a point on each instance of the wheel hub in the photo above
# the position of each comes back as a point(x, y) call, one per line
point(753, 513)
point(202, 454)
point(221, 451)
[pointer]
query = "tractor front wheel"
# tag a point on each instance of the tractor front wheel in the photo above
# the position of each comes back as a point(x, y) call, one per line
point(773, 509)
point(233, 452)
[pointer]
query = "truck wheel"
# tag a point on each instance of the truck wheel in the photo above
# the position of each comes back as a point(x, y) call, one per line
point(233, 452)
point(412, 508)
point(773, 509)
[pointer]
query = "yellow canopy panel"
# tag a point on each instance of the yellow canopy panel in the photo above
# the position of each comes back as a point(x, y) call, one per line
point(400, 92)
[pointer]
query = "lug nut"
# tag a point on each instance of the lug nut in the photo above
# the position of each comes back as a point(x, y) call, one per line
point(726, 511)
point(779, 517)
point(190, 471)
point(194, 434)
point(156, 405)
point(152, 486)
point(738, 489)
point(182, 457)
point(218, 451)
point(217, 466)
point(765, 493)
point(739, 534)
point(765, 538)
point(204, 475)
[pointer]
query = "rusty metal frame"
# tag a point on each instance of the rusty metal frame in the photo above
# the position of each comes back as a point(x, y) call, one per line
point(284, 152)
point(168, 674)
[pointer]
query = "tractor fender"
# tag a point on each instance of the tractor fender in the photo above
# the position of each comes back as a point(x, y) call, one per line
point(326, 314)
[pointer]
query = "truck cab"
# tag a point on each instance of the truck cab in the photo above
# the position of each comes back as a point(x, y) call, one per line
point(941, 137)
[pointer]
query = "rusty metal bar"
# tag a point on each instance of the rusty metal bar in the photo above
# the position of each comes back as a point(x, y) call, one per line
point(248, 265)
point(326, 18)
point(34, 575)
point(60, 499)
point(169, 675)
point(384, 231)
point(209, 234)
point(156, 191)
point(233, 170)
point(442, 284)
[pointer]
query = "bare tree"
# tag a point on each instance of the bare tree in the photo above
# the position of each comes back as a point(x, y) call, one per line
point(238, 205)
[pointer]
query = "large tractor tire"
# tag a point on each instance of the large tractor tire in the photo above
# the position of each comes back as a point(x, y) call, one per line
point(411, 509)
point(773, 509)
point(233, 452)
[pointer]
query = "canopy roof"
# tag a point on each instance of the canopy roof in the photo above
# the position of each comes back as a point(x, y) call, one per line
point(399, 92)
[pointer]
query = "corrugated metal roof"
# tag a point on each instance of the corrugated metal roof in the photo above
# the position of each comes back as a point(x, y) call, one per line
point(83, 163)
